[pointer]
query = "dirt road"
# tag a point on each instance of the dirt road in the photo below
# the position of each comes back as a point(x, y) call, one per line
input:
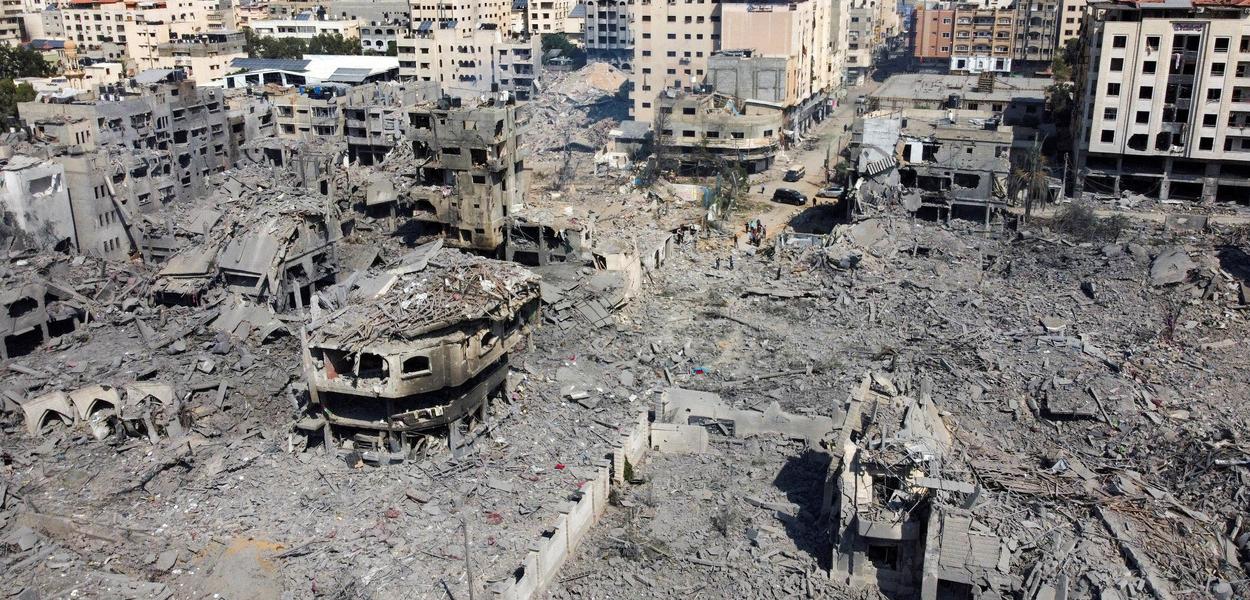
point(776, 216)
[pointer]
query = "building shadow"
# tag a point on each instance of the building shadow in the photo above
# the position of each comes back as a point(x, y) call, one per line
point(802, 479)
point(1236, 262)
point(820, 219)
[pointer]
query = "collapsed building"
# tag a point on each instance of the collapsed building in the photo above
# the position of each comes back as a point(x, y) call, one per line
point(34, 311)
point(277, 249)
point(417, 346)
point(461, 176)
point(904, 511)
point(948, 160)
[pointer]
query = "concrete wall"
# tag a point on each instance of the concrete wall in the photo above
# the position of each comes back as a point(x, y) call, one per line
point(549, 552)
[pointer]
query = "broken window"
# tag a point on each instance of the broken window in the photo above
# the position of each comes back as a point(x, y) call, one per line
point(967, 180)
point(416, 365)
point(488, 341)
point(883, 557)
point(372, 366)
point(22, 306)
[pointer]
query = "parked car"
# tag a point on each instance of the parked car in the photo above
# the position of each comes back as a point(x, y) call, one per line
point(795, 174)
point(789, 196)
point(833, 191)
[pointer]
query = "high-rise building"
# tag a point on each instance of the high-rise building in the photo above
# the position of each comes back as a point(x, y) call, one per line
point(1163, 102)
point(675, 40)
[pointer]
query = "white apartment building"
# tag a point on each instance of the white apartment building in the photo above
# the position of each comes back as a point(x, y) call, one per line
point(674, 40)
point(469, 49)
point(608, 29)
point(306, 27)
point(1164, 109)
point(1071, 14)
point(140, 28)
point(548, 16)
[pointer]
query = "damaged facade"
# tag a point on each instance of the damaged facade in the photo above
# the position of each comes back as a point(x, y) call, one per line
point(420, 345)
point(471, 174)
point(903, 508)
point(950, 160)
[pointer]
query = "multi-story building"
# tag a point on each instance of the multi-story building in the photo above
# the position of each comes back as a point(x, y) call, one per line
point(382, 22)
point(1163, 105)
point(11, 20)
point(701, 130)
point(547, 16)
point(675, 41)
point(469, 63)
point(305, 27)
point(1037, 34)
point(1071, 15)
point(134, 31)
point(472, 170)
point(304, 113)
point(863, 37)
point(131, 151)
point(671, 48)
point(971, 38)
point(205, 57)
point(464, 47)
point(608, 30)
point(376, 117)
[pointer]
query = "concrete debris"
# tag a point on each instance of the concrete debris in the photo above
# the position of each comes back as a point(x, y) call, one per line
point(291, 380)
point(1171, 266)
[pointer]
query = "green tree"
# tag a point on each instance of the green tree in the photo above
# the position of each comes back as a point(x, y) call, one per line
point(333, 43)
point(561, 42)
point(19, 61)
point(1030, 180)
point(1066, 59)
point(11, 95)
point(263, 46)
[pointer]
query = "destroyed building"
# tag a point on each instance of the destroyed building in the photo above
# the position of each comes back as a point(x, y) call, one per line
point(953, 160)
point(702, 129)
point(34, 310)
point(905, 520)
point(278, 248)
point(377, 119)
point(472, 171)
point(417, 346)
point(184, 124)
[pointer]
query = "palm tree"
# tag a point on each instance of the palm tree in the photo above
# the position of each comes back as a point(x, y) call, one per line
point(1031, 179)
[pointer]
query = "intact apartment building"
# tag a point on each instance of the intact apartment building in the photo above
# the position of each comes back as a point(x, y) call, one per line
point(608, 29)
point(1072, 14)
point(1164, 107)
point(470, 49)
point(203, 57)
point(134, 31)
point(305, 27)
point(548, 16)
point(965, 38)
point(675, 41)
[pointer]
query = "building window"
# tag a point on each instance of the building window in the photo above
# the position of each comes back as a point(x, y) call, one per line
point(1113, 89)
point(1221, 44)
point(1210, 120)
point(1146, 92)
point(1152, 43)
point(1119, 41)
point(1108, 136)
point(1213, 95)
point(1217, 68)
point(1148, 67)
point(1206, 143)
point(1117, 64)
point(1109, 114)
point(1143, 116)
